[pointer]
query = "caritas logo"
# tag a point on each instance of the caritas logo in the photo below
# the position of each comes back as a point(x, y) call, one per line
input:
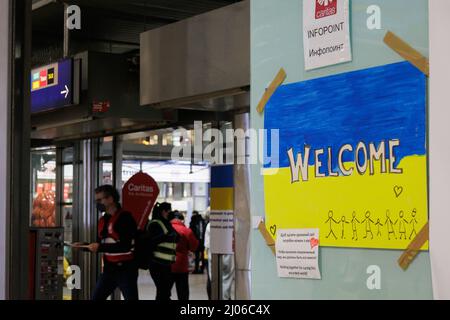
point(325, 8)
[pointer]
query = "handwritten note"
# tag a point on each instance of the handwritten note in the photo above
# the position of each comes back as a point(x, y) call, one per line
point(297, 252)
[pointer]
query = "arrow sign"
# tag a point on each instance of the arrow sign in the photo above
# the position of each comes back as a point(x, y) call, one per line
point(57, 91)
point(65, 92)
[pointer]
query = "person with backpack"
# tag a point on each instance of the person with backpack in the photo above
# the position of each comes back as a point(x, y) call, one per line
point(180, 269)
point(116, 233)
point(163, 241)
point(198, 226)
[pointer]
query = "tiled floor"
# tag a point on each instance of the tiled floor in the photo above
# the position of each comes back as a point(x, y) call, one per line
point(197, 287)
point(147, 289)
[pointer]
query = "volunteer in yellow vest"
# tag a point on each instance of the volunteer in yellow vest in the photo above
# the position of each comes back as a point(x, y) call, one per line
point(163, 238)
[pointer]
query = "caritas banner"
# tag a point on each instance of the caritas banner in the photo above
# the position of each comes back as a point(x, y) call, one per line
point(139, 195)
point(326, 33)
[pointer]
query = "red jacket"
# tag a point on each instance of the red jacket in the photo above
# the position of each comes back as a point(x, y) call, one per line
point(188, 242)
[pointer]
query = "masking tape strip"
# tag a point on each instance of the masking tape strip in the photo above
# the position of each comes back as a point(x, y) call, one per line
point(414, 248)
point(421, 63)
point(279, 79)
point(267, 237)
point(407, 52)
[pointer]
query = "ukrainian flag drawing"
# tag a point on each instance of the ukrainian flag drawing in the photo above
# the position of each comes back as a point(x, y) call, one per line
point(222, 188)
point(353, 159)
point(222, 207)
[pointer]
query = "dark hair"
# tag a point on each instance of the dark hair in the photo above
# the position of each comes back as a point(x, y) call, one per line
point(176, 215)
point(159, 208)
point(109, 191)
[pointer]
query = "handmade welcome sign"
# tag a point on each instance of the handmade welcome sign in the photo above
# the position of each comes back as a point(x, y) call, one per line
point(352, 157)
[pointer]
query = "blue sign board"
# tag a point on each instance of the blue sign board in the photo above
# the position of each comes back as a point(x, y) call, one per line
point(51, 86)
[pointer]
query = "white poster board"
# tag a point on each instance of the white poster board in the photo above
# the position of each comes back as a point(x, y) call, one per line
point(439, 156)
point(222, 232)
point(326, 33)
point(297, 252)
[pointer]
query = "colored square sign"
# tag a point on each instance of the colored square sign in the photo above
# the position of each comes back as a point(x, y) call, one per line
point(51, 86)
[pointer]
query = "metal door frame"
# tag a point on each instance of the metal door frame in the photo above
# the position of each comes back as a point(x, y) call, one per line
point(18, 153)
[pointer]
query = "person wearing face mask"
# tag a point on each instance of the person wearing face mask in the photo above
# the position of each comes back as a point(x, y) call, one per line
point(116, 233)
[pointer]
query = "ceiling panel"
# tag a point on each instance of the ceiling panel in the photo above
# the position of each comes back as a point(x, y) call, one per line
point(108, 25)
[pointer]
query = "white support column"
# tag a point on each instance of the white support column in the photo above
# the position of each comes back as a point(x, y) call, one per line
point(5, 82)
point(439, 146)
point(242, 212)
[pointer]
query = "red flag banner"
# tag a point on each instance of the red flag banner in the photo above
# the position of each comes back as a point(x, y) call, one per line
point(139, 195)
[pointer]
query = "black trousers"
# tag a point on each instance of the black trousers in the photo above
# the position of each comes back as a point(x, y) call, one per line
point(162, 277)
point(124, 277)
point(181, 281)
point(199, 257)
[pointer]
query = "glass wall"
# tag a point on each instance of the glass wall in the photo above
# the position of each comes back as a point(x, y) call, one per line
point(67, 215)
point(185, 184)
point(105, 161)
point(43, 188)
point(46, 210)
point(58, 172)
point(182, 183)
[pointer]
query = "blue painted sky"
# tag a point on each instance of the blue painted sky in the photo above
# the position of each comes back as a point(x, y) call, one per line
point(222, 176)
point(370, 105)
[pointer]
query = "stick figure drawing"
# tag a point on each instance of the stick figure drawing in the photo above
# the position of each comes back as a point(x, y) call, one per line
point(368, 222)
point(331, 220)
point(379, 225)
point(413, 223)
point(354, 224)
point(402, 225)
point(343, 222)
point(390, 225)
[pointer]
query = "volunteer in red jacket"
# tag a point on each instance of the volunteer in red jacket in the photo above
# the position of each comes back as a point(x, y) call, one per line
point(116, 232)
point(180, 269)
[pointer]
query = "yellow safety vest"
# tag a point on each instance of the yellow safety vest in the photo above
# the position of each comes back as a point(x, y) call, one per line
point(165, 252)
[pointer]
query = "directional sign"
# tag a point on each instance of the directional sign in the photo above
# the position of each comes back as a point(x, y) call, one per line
point(65, 92)
point(51, 86)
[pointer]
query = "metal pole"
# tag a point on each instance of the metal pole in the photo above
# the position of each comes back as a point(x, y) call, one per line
point(87, 218)
point(216, 277)
point(19, 148)
point(5, 136)
point(59, 193)
point(242, 218)
point(117, 162)
point(216, 259)
point(76, 211)
point(66, 32)
point(117, 181)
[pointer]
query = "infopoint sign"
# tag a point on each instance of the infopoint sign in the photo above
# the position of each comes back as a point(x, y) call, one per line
point(51, 86)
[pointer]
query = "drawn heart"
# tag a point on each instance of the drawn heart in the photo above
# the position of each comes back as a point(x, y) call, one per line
point(273, 229)
point(398, 191)
point(314, 242)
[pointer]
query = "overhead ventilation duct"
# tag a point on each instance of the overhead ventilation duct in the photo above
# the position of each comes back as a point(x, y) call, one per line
point(198, 61)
